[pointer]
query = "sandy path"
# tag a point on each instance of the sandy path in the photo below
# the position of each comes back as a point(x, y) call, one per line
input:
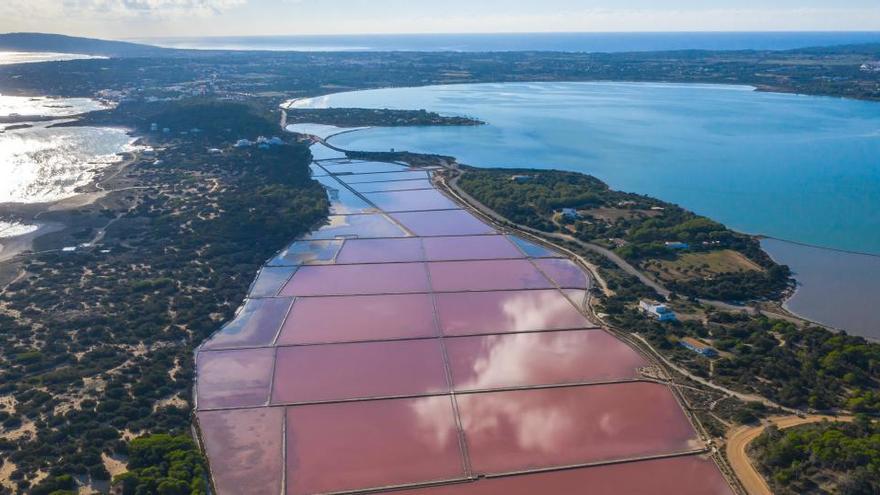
point(738, 442)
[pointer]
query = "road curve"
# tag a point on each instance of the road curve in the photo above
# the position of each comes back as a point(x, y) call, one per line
point(738, 442)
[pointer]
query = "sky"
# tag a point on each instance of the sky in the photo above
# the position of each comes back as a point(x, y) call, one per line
point(125, 19)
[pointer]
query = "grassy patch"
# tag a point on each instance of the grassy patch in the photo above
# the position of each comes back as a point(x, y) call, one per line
point(692, 266)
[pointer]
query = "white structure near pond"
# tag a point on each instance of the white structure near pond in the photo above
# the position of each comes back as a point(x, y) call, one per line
point(658, 311)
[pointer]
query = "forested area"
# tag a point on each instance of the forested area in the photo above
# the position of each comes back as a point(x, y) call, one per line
point(825, 458)
point(804, 368)
point(637, 227)
point(96, 345)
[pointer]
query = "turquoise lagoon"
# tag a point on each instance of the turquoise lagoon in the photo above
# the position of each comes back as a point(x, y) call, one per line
point(799, 168)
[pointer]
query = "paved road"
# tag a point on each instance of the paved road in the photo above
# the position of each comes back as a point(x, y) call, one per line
point(738, 442)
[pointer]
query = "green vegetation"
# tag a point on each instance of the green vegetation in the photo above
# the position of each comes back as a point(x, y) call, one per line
point(840, 458)
point(365, 117)
point(805, 368)
point(808, 368)
point(165, 465)
point(98, 344)
point(636, 227)
point(200, 119)
point(832, 71)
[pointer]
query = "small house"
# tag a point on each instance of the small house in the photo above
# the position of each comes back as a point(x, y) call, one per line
point(677, 245)
point(520, 179)
point(660, 312)
point(698, 347)
point(570, 214)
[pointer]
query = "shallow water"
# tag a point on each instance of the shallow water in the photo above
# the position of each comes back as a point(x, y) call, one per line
point(836, 288)
point(7, 58)
point(41, 164)
point(792, 167)
point(788, 166)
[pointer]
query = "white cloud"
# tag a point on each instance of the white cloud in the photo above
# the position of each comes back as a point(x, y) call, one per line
point(114, 9)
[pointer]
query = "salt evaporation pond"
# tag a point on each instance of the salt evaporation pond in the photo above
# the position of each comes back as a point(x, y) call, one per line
point(408, 345)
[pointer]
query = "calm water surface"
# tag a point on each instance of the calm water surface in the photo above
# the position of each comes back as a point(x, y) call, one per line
point(565, 42)
point(792, 167)
point(836, 288)
point(41, 163)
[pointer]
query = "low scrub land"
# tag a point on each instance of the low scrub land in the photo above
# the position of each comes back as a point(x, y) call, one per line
point(693, 255)
point(805, 368)
point(96, 345)
point(824, 458)
point(363, 117)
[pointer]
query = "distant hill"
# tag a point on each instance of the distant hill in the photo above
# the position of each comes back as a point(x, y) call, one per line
point(39, 42)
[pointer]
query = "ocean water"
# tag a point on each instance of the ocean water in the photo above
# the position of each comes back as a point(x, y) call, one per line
point(566, 42)
point(40, 163)
point(806, 169)
point(43, 106)
point(7, 58)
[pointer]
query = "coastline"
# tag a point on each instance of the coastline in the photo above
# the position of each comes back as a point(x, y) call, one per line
point(61, 210)
point(787, 305)
point(782, 305)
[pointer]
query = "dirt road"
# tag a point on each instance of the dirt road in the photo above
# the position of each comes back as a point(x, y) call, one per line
point(738, 443)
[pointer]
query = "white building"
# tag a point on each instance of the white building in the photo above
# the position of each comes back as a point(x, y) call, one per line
point(657, 311)
point(677, 245)
point(571, 214)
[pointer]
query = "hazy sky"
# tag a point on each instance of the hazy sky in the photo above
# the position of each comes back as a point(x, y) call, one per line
point(144, 18)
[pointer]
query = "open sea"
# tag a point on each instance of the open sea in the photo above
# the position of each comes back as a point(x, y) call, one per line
point(803, 169)
point(563, 42)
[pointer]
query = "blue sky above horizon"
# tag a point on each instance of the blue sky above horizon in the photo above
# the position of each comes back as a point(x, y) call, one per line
point(157, 18)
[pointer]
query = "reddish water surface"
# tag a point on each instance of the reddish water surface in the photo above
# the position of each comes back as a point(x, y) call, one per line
point(256, 325)
point(454, 276)
point(533, 429)
point(564, 273)
point(245, 448)
point(427, 199)
point(367, 226)
point(352, 371)
point(372, 444)
point(359, 380)
point(348, 319)
point(442, 223)
point(381, 250)
point(691, 475)
point(469, 248)
point(234, 378)
point(530, 359)
point(399, 185)
point(329, 280)
point(470, 313)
